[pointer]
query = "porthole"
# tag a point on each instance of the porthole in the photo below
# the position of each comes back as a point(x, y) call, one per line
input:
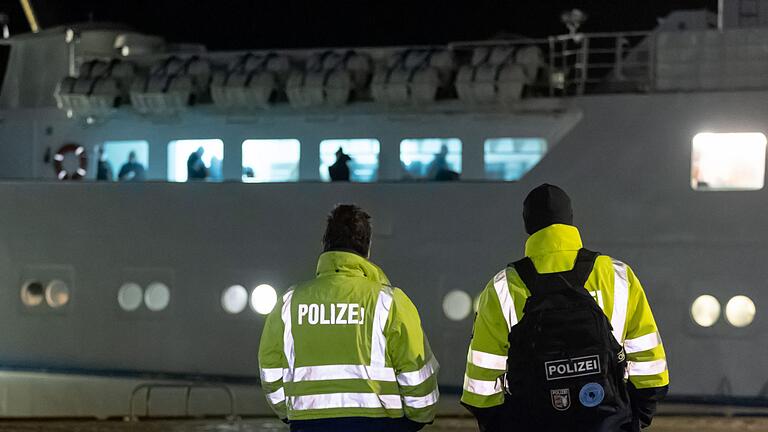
point(263, 299)
point(705, 310)
point(740, 311)
point(130, 296)
point(157, 296)
point(234, 299)
point(57, 294)
point(32, 293)
point(457, 305)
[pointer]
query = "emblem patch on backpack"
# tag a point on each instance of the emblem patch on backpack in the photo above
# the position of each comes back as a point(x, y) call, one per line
point(591, 395)
point(561, 399)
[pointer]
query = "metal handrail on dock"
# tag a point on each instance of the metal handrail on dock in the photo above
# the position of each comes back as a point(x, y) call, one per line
point(188, 387)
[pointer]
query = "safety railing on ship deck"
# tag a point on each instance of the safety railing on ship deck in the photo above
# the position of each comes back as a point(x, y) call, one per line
point(188, 387)
point(601, 63)
point(587, 63)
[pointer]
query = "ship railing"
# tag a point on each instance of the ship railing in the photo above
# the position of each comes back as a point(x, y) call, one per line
point(587, 63)
point(601, 63)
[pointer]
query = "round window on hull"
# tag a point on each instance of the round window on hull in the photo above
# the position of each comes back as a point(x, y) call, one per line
point(130, 296)
point(705, 310)
point(32, 293)
point(740, 311)
point(457, 305)
point(263, 299)
point(157, 296)
point(234, 299)
point(57, 294)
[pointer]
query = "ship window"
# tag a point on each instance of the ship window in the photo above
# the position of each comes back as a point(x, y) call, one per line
point(431, 158)
point(123, 160)
point(130, 296)
point(740, 311)
point(457, 305)
point(234, 299)
point(263, 299)
point(705, 310)
point(363, 160)
point(728, 161)
point(509, 159)
point(271, 160)
point(32, 293)
point(157, 296)
point(195, 159)
point(57, 294)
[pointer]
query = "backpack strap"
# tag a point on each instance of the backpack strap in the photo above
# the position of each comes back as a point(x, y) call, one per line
point(576, 277)
point(527, 272)
point(582, 268)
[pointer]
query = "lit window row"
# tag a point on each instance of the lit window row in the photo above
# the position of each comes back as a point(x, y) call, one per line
point(55, 294)
point(357, 160)
point(156, 297)
point(235, 299)
point(706, 310)
point(739, 311)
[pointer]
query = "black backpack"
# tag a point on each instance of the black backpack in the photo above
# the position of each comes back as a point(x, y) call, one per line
point(565, 370)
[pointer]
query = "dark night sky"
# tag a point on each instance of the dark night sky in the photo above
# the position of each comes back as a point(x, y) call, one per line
point(238, 24)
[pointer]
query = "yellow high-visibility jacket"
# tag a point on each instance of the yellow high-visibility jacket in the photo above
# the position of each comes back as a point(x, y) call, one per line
point(613, 285)
point(347, 345)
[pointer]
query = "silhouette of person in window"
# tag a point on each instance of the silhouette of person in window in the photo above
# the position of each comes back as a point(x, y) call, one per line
point(439, 170)
point(103, 168)
point(196, 169)
point(132, 170)
point(215, 170)
point(339, 171)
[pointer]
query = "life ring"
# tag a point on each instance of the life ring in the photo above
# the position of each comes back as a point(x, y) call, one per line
point(58, 162)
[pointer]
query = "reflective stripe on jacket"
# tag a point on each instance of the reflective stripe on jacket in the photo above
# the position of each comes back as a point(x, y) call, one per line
point(613, 285)
point(346, 344)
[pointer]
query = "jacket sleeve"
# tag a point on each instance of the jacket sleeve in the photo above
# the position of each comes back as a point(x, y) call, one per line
point(272, 362)
point(486, 360)
point(646, 359)
point(415, 365)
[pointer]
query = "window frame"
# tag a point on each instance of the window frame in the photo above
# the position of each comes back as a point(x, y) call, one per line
point(325, 176)
point(696, 164)
point(244, 179)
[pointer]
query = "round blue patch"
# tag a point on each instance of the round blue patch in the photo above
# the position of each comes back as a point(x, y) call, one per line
point(591, 395)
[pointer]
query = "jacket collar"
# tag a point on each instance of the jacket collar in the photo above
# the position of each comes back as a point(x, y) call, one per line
point(350, 264)
point(554, 238)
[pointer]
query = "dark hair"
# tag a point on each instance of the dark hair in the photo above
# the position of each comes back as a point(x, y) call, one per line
point(349, 227)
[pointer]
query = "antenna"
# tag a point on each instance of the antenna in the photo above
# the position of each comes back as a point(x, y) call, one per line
point(573, 19)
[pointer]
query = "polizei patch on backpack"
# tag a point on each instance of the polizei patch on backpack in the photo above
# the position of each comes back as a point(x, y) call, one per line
point(575, 367)
point(561, 399)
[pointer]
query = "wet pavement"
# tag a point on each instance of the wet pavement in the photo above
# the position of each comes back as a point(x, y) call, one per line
point(454, 424)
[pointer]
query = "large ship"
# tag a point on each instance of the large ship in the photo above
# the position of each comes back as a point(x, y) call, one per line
point(114, 275)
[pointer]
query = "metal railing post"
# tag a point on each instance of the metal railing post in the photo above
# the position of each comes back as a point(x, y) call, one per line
point(652, 42)
point(618, 62)
point(564, 65)
point(147, 402)
point(551, 41)
point(584, 64)
point(187, 401)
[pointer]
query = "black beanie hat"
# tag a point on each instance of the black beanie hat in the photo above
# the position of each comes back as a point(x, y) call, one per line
point(546, 205)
